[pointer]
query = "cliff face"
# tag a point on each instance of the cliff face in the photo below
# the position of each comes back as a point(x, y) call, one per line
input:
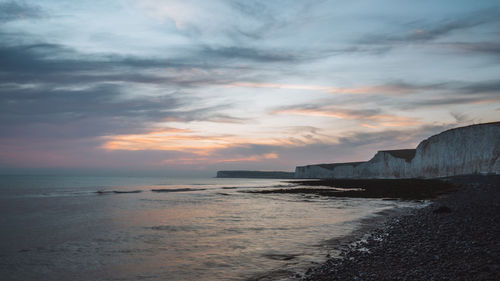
point(312, 172)
point(384, 165)
point(326, 170)
point(467, 150)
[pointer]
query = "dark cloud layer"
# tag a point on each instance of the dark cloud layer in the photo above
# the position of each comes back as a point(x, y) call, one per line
point(94, 111)
point(12, 10)
point(54, 63)
point(68, 89)
point(45, 59)
point(418, 32)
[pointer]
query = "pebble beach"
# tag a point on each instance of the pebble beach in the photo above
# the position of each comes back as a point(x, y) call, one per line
point(456, 237)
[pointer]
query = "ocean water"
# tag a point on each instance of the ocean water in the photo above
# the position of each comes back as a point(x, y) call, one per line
point(60, 228)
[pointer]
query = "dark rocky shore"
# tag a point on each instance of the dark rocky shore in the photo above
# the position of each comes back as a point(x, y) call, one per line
point(405, 189)
point(457, 237)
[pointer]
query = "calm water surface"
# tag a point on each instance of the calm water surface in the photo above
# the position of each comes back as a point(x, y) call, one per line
point(59, 228)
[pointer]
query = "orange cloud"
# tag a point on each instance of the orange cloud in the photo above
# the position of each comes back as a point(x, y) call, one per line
point(370, 126)
point(202, 145)
point(316, 112)
point(184, 141)
point(252, 158)
point(211, 160)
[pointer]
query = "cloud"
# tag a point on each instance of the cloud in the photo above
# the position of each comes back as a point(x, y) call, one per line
point(482, 87)
point(224, 118)
point(203, 66)
point(285, 86)
point(187, 15)
point(375, 116)
point(394, 88)
point(189, 161)
point(175, 99)
point(103, 109)
point(455, 92)
point(91, 111)
point(404, 95)
point(488, 48)
point(229, 21)
point(184, 140)
point(168, 140)
point(452, 87)
point(389, 139)
point(442, 101)
point(395, 95)
point(246, 38)
point(51, 61)
point(14, 10)
point(245, 53)
point(52, 91)
point(103, 100)
point(461, 118)
point(352, 49)
point(418, 32)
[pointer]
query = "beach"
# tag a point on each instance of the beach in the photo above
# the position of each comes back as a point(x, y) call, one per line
point(454, 238)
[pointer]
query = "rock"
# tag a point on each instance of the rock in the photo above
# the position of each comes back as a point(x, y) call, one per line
point(442, 209)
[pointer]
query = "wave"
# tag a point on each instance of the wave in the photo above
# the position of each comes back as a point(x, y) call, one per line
point(127, 191)
point(57, 194)
point(104, 192)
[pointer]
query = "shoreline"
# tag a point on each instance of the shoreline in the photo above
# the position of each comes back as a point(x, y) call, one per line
point(336, 245)
point(453, 238)
point(402, 189)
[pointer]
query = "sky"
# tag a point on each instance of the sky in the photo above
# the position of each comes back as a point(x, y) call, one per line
point(189, 87)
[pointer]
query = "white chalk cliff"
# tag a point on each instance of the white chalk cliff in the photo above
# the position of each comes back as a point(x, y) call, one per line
point(467, 150)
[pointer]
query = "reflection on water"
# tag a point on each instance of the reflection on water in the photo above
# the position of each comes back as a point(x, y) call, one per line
point(58, 228)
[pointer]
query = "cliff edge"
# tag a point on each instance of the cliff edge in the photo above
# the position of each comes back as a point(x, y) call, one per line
point(466, 150)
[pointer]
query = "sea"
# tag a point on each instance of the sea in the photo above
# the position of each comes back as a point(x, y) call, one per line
point(160, 228)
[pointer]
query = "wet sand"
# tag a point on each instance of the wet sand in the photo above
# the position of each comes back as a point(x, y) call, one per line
point(457, 237)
